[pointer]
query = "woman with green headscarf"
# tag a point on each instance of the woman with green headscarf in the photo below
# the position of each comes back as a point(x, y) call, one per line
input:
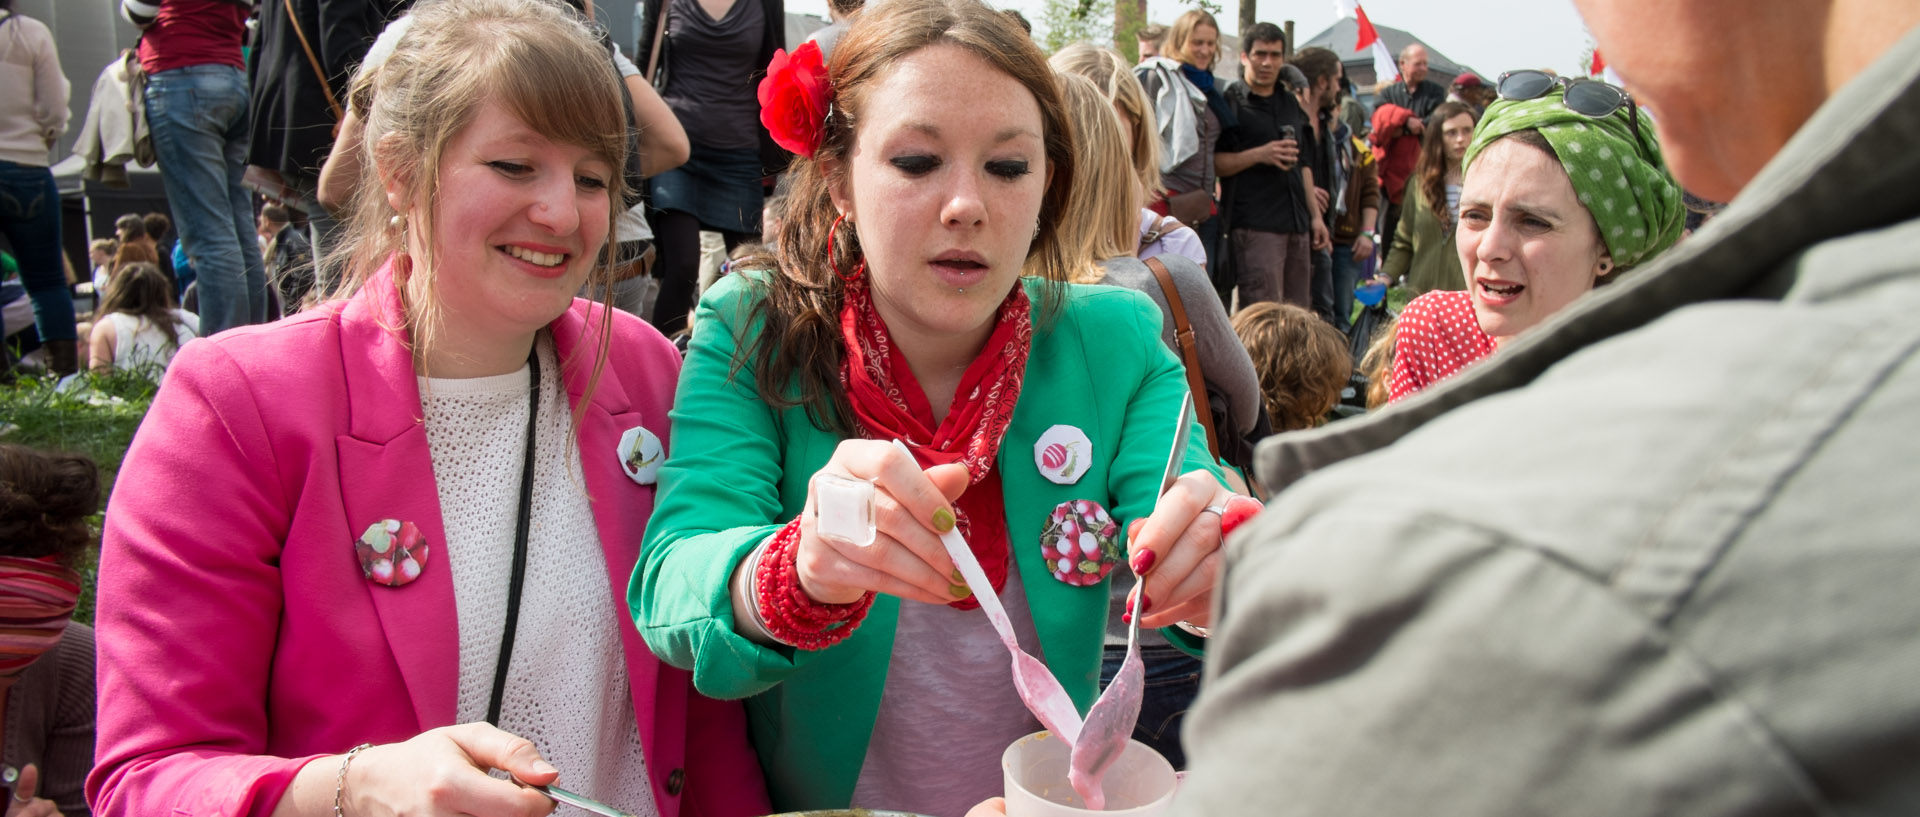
point(1565, 188)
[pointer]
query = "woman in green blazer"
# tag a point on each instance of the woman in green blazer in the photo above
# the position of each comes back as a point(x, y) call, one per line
point(1039, 417)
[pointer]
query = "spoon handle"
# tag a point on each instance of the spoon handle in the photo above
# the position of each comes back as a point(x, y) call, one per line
point(561, 795)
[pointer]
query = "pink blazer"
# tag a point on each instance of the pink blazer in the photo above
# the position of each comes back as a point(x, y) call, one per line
point(238, 638)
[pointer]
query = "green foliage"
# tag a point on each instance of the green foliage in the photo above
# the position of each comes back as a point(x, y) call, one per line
point(1071, 21)
point(1129, 16)
point(95, 415)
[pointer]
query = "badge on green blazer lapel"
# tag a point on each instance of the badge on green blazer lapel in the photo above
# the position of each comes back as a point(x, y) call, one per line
point(1063, 454)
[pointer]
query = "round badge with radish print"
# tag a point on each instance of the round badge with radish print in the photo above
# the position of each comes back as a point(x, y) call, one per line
point(1080, 543)
point(1063, 454)
point(392, 553)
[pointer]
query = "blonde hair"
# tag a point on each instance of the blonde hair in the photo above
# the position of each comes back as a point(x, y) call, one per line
point(1377, 364)
point(1182, 31)
point(539, 60)
point(1114, 77)
point(1104, 207)
point(1302, 362)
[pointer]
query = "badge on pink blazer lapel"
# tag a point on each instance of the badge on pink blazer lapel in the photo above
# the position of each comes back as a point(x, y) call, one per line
point(392, 553)
point(641, 455)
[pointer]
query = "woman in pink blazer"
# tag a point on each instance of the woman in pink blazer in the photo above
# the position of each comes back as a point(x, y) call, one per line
point(360, 556)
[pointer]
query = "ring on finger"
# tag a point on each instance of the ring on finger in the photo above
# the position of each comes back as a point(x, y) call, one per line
point(1216, 510)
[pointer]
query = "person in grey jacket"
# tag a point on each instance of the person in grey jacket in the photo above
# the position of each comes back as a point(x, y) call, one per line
point(1658, 557)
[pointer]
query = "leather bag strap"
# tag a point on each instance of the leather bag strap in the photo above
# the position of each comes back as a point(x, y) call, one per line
point(1189, 352)
point(659, 34)
point(333, 103)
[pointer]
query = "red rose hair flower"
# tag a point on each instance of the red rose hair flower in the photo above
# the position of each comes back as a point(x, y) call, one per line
point(794, 98)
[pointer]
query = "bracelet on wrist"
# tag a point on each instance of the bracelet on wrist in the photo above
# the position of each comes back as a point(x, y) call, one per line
point(340, 782)
point(790, 615)
point(750, 604)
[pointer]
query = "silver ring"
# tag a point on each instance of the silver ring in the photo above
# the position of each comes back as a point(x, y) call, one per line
point(1217, 510)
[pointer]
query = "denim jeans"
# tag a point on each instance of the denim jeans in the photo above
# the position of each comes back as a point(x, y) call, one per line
point(1346, 276)
point(198, 115)
point(1173, 679)
point(30, 217)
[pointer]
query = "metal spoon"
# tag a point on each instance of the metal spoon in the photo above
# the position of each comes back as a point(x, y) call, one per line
point(560, 795)
point(1110, 722)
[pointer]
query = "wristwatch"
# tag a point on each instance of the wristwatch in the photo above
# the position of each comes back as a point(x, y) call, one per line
point(1368, 235)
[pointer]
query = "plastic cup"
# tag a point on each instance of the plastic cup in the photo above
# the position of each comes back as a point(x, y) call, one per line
point(1139, 784)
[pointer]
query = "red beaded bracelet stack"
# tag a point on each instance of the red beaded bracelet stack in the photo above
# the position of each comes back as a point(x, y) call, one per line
point(789, 614)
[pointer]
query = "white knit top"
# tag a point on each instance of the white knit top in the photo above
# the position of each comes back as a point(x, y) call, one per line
point(567, 688)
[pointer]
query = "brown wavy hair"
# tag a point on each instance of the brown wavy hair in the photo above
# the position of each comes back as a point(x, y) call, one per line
point(133, 252)
point(143, 291)
point(1431, 170)
point(1302, 361)
point(796, 357)
point(46, 500)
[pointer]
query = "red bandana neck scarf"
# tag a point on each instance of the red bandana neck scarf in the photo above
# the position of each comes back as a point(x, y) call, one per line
point(889, 404)
point(37, 598)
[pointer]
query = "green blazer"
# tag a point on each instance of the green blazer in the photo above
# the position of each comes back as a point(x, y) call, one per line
point(737, 470)
point(1423, 251)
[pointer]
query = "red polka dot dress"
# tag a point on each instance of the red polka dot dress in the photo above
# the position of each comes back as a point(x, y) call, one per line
point(1438, 335)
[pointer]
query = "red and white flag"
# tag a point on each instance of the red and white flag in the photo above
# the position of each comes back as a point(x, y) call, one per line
point(1384, 67)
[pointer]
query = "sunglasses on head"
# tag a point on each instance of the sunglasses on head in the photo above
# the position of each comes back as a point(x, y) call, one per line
point(1587, 97)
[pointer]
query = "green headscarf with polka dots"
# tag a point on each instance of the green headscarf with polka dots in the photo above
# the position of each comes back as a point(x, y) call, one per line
point(1624, 184)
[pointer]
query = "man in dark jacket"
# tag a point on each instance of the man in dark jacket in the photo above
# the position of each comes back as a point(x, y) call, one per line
point(1351, 183)
point(302, 64)
point(1267, 189)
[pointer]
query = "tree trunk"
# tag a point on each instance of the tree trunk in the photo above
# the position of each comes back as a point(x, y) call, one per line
point(1129, 16)
point(1249, 9)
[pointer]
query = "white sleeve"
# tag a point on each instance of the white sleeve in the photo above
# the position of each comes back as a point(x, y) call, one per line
point(383, 45)
point(626, 66)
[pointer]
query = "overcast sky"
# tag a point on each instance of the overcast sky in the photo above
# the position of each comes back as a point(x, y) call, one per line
point(1489, 35)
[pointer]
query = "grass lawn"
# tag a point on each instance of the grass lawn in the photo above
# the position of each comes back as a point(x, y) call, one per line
point(95, 415)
